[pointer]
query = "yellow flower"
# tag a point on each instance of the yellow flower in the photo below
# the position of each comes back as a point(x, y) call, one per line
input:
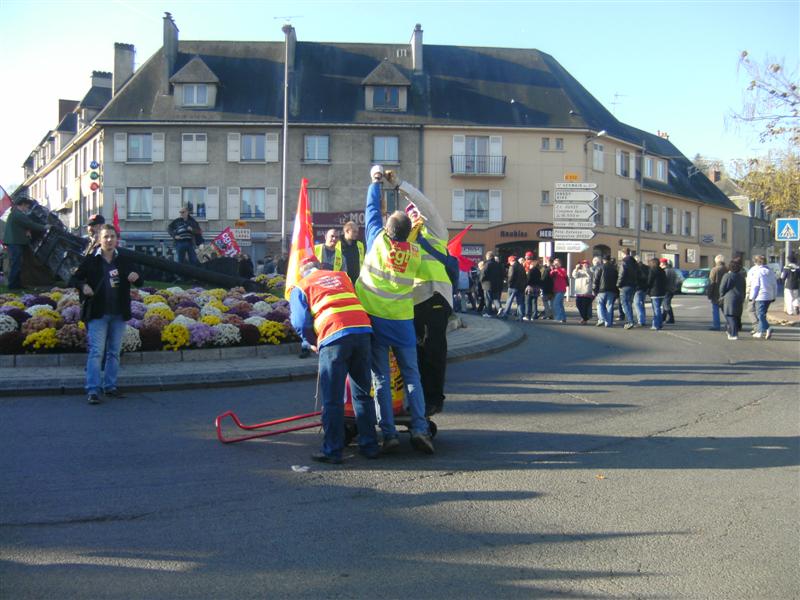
point(15, 304)
point(211, 320)
point(271, 298)
point(81, 324)
point(55, 295)
point(218, 305)
point(218, 293)
point(175, 336)
point(152, 299)
point(271, 332)
point(49, 312)
point(46, 338)
point(160, 311)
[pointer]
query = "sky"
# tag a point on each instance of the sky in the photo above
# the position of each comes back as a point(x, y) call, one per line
point(668, 65)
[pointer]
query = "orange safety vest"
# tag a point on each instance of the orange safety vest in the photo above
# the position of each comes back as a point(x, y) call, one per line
point(333, 303)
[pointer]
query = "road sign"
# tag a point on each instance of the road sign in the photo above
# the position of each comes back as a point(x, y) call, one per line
point(787, 230)
point(568, 224)
point(574, 211)
point(575, 185)
point(570, 246)
point(572, 234)
point(576, 196)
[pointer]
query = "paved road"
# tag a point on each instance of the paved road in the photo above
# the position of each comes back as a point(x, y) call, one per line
point(584, 463)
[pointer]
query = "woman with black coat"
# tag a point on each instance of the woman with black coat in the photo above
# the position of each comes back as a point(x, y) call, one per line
point(103, 280)
point(657, 288)
point(731, 293)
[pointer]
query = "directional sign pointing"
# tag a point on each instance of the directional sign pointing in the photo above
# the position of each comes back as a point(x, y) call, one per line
point(573, 211)
point(572, 224)
point(787, 230)
point(572, 234)
point(576, 195)
point(571, 246)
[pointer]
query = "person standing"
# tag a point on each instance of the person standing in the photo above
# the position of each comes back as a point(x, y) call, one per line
point(642, 277)
point(533, 288)
point(763, 291)
point(104, 282)
point(185, 230)
point(626, 282)
point(605, 288)
point(731, 294)
point(712, 291)
point(672, 289)
point(17, 236)
point(93, 233)
point(385, 288)
point(326, 252)
point(492, 284)
point(657, 288)
point(516, 286)
point(559, 276)
point(327, 316)
point(790, 275)
point(583, 290)
point(351, 250)
point(546, 282)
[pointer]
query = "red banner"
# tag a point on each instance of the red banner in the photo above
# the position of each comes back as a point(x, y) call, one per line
point(226, 244)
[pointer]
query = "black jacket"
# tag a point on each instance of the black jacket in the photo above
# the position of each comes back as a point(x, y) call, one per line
point(178, 229)
point(657, 283)
point(535, 277)
point(643, 274)
point(492, 276)
point(605, 279)
point(516, 276)
point(628, 274)
point(91, 272)
point(546, 282)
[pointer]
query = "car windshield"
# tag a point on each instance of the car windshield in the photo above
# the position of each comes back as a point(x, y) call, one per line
point(699, 273)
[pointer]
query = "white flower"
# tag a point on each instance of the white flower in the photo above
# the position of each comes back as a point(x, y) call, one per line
point(37, 308)
point(262, 307)
point(226, 334)
point(175, 290)
point(183, 320)
point(203, 299)
point(210, 310)
point(254, 320)
point(131, 342)
point(7, 324)
point(157, 305)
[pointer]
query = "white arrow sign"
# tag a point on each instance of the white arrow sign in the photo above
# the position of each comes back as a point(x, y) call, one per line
point(570, 246)
point(576, 196)
point(575, 185)
point(573, 211)
point(572, 234)
point(579, 224)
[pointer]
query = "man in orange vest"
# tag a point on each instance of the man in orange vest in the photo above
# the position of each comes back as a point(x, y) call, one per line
point(327, 315)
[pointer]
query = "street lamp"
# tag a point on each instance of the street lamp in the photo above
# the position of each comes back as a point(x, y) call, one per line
point(641, 202)
point(287, 31)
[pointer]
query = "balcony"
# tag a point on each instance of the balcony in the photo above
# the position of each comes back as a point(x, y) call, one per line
point(477, 165)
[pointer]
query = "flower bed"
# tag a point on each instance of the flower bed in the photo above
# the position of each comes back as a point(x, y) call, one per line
point(170, 319)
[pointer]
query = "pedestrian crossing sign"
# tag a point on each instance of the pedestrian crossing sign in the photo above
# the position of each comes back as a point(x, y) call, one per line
point(787, 230)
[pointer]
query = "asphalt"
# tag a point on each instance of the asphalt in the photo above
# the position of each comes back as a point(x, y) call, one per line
point(220, 367)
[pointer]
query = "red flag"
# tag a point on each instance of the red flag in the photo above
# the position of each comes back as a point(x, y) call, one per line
point(225, 243)
point(5, 200)
point(302, 239)
point(454, 245)
point(115, 221)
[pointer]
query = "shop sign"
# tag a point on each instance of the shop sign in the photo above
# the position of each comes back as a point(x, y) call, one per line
point(472, 250)
point(545, 233)
point(671, 246)
point(627, 242)
point(707, 238)
point(513, 234)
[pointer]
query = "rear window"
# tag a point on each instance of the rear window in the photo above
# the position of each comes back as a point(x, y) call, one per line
point(700, 273)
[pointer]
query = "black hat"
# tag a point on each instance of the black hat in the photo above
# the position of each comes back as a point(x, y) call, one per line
point(97, 219)
point(23, 199)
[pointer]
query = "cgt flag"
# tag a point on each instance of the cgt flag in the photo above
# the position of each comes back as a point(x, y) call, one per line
point(302, 239)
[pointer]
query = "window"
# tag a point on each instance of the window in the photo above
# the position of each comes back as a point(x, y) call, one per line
point(392, 199)
point(476, 205)
point(316, 148)
point(648, 167)
point(623, 163)
point(600, 206)
point(560, 144)
point(253, 147)
point(476, 154)
point(195, 200)
point(253, 203)
point(385, 149)
point(661, 171)
point(386, 97)
point(140, 147)
point(624, 216)
point(193, 148)
point(140, 203)
point(545, 197)
point(545, 143)
point(318, 199)
point(195, 94)
point(598, 160)
point(687, 223)
point(668, 220)
point(647, 222)
point(724, 230)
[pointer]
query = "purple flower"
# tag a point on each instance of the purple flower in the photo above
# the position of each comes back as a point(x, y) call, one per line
point(19, 315)
point(279, 315)
point(135, 323)
point(187, 304)
point(200, 335)
point(149, 290)
point(251, 298)
point(71, 314)
point(138, 309)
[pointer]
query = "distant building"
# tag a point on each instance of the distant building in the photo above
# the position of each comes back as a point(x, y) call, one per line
point(485, 132)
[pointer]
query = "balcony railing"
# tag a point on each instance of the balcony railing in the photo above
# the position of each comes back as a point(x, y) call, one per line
point(483, 165)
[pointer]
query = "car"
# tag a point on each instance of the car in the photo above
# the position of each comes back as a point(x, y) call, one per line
point(682, 275)
point(696, 282)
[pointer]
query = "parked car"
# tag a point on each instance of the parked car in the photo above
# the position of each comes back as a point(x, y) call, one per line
point(696, 282)
point(682, 275)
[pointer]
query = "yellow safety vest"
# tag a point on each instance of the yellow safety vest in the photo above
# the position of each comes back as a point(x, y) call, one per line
point(338, 261)
point(386, 283)
point(431, 268)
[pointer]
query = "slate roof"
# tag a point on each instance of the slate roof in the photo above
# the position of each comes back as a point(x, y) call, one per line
point(195, 71)
point(97, 97)
point(461, 85)
point(69, 123)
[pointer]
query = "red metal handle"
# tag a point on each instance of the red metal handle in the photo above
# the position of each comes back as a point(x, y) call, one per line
point(240, 425)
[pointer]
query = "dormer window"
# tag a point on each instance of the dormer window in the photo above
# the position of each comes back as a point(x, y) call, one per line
point(386, 88)
point(195, 94)
point(386, 97)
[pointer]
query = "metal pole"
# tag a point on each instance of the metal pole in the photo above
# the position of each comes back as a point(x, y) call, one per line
point(287, 29)
point(641, 202)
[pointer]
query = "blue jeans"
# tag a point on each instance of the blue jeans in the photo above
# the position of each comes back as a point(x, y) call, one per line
point(381, 379)
point(641, 312)
point(626, 299)
point(761, 313)
point(658, 317)
point(605, 307)
point(532, 304)
point(185, 251)
point(514, 295)
point(15, 252)
point(348, 355)
point(559, 314)
point(104, 336)
point(715, 322)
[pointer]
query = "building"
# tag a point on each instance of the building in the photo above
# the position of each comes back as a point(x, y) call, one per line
point(485, 132)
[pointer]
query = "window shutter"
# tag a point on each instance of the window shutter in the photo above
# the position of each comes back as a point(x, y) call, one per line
point(271, 204)
point(619, 164)
point(212, 203)
point(664, 219)
point(495, 145)
point(459, 145)
point(120, 147)
point(683, 222)
point(234, 197)
point(694, 224)
point(606, 213)
point(157, 151)
point(633, 213)
point(655, 218)
point(234, 147)
point(458, 205)
point(618, 215)
point(632, 166)
point(271, 151)
point(157, 212)
point(174, 202)
point(495, 206)
point(121, 200)
point(642, 216)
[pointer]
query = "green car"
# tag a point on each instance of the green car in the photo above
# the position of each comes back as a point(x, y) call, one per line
point(696, 282)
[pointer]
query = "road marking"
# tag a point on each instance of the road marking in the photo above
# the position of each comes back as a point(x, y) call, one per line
point(680, 337)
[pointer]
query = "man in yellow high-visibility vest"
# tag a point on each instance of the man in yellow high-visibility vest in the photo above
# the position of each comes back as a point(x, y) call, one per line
point(326, 253)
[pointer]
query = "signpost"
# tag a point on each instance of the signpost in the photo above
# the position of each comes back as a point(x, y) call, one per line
point(573, 216)
point(574, 211)
point(787, 230)
point(576, 196)
point(570, 246)
point(572, 234)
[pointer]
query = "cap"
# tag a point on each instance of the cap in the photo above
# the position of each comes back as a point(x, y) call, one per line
point(663, 260)
point(23, 199)
point(97, 219)
point(529, 255)
point(375, 169)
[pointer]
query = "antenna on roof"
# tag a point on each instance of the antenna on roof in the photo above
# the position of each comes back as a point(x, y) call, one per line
point(616, 101)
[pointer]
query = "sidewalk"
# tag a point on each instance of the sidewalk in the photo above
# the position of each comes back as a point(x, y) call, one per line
point(218, 367)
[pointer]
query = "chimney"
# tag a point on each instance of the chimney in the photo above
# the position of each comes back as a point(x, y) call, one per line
point(416, 49)
point(65, 107)
point(170, 49)
point(101, 79)
point(717, 174)
point(123, 64)
point(291, 43)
